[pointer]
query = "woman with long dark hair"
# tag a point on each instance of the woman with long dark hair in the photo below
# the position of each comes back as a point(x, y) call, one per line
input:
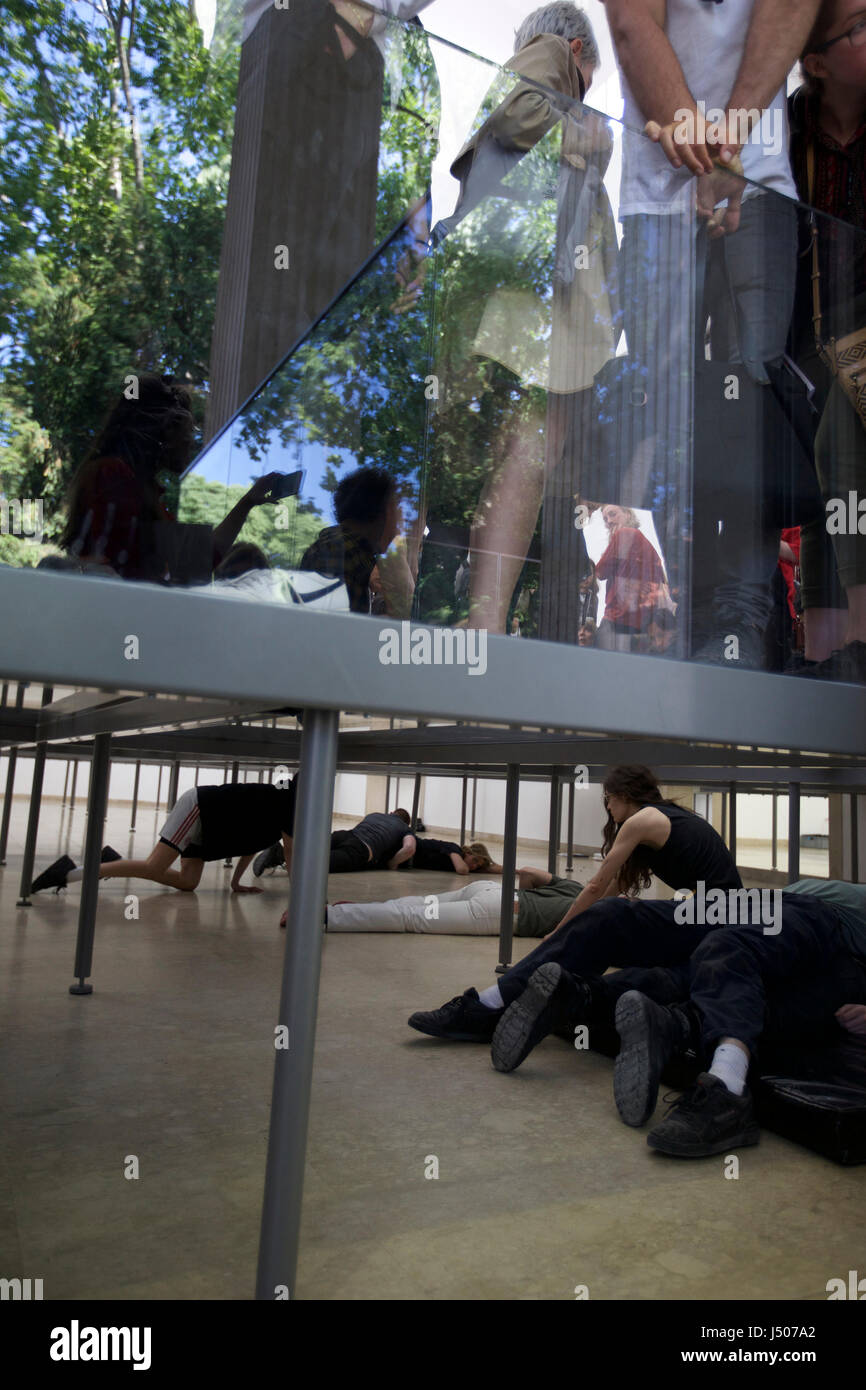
point(123, 488)
point(646, 834)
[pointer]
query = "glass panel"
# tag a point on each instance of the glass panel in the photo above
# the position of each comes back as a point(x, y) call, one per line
point(538, 405)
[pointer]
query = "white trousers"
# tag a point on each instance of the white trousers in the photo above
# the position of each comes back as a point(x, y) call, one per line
point(470, 911)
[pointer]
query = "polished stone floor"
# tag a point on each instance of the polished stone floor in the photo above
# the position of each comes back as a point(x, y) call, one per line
point(540, 1188)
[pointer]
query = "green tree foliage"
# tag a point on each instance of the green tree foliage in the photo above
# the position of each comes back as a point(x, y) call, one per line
point(283, 544)
point(115, 143)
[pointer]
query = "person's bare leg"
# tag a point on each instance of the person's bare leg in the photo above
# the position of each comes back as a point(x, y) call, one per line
point(504, 521)
point(156, 869)
point(825, 629)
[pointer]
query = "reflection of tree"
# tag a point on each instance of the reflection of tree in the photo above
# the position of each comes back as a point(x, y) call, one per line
point(201, 501)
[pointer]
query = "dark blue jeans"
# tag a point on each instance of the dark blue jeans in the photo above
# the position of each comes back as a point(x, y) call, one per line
point(675, 280)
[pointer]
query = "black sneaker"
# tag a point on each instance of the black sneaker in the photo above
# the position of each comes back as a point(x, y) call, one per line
point(54, 876)
point(708, 1119)
point(462, 1019)
point(846, 665)
point(109, 855)
point(269, 859)
point(553, 999)
point(650, 1035)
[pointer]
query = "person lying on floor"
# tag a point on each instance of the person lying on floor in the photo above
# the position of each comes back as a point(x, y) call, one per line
point(449, 857)
point(380, 841)
point(473, 910)
point(644, 835)
point(206, 823)
point(811, 970)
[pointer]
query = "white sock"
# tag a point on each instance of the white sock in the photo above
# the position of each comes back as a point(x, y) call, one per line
point(730, 1064)
point(74, 875)
point(491, 998)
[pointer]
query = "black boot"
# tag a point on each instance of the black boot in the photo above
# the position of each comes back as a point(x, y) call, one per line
point(554, 1000)
point(650, 1035)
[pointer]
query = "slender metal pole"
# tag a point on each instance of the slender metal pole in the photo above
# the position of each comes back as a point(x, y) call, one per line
point(509, 867)
point(855, 836)
point(35, 807)
point(732, 821)
point(7, 803)
point(227, 862)
point(97, 806)
point(74, 786)
point(416, 799)
point(775, 832)
point(793, 831)
point(553, 836)
point(66, 781)
point(293, 1064)
point(474, 801)
point(173, 779)
point(159, 789)
point(135, 795)
point(10, 782)
point(569, 863)
point(463, 812)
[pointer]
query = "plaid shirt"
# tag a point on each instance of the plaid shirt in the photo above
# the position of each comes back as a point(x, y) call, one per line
point(345, 555)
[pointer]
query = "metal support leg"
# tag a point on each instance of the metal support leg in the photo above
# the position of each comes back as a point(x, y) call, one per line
point(569, 863)
point(227, 863)
point(7, 803)
point(509, 867)
point(293, 1065)
point(793, 831)
point(97, 806)
point(173, 779)
point(10, 783)
point(463, 812)
point(416, 799)
point(74, 786)
point(775, 833)
point(66, 780)
point(159, 789)
point(474, 802)
point(732, 821)
point(854, 833)
point(33, 817)
point(135, 796)
point(555, 824)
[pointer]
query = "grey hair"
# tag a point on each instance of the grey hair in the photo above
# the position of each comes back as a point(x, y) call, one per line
point(563, 19)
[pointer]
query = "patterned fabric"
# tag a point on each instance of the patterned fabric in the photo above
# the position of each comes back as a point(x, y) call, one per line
point(345, 555)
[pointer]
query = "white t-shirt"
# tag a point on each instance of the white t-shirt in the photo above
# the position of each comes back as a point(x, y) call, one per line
point(392, 9)
point(709, 41)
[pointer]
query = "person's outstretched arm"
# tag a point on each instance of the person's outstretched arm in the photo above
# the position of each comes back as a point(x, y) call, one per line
point(240, 870)
point(458, 863)
point(599, 886)
point(655, 76)
point(777, 32)
point(531, 878)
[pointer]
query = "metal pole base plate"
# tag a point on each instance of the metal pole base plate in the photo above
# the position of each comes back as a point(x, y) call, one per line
point(81, 988)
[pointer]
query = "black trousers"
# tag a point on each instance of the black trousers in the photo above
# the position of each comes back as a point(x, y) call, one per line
point(348, 854)
point(614, 932)
point(740, 980)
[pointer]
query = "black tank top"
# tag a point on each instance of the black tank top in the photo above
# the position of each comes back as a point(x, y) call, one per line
point(694, 853)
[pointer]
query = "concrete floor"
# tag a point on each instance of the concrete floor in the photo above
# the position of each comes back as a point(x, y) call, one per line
point(540, 1187)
